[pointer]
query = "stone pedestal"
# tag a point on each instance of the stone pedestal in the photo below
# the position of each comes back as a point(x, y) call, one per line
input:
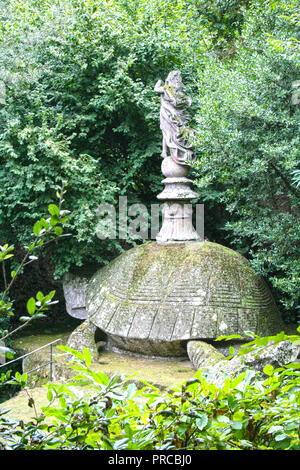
point(177, 210)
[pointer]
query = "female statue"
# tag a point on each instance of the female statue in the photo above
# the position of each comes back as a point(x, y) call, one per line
point(174, 120)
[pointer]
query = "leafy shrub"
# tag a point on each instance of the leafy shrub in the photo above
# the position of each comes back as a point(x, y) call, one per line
point(248, 412)
point(248, 146)
point(80, 107)
point(45, 231)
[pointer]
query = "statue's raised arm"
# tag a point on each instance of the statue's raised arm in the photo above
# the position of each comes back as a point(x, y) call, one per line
point(174, 120)
point(159, 88)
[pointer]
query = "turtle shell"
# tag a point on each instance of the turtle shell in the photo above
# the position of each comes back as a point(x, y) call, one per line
point(153, 298)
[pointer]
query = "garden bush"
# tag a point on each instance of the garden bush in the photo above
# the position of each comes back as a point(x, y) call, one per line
point(249, 412)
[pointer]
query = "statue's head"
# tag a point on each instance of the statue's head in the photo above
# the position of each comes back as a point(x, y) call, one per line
point(174, 79)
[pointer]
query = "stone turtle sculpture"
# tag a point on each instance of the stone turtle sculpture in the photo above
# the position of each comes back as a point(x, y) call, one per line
point(176, 295)
point(154, 299)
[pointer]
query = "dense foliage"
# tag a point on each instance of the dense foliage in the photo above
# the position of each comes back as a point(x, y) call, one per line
point(46, 230)
point(249, 412)
point(79, 105)
point(249, 144)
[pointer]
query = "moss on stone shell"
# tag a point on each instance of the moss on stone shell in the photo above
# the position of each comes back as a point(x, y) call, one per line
point(169, 293)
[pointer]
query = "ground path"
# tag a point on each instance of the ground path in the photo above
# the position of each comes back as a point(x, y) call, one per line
point(164, 374)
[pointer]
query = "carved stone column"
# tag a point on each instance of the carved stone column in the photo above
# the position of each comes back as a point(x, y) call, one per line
point(177, 210)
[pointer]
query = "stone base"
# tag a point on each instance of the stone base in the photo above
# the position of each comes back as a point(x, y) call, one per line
point(276, 355)
point(177, 211)
point(202, 354)
point(177, 224)
point(177, 189)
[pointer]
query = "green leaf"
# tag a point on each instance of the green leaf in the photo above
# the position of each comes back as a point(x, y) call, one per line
point(74, 352)
point(268, 369)
point(4, 350)
point(53, 210)
point(100, 377)
point(49, 296)
point(18, 376)
point(63, 402)
point(235, 383)
point(280, 437)
point(7, 256)
point(24, 319)
point(201, 421)
point(49, 395)
point(37, 228)
point(38, 315)
point(275, 429)
point(228, 337)
point(24, 378)
point(237, 425)
point(107, 442)
point(87, 357)
point(40, 296)
point(44, 223)
point(53, 221)
point(131, 390)
point(31, 307)
point(238, 415)
point(121, 444)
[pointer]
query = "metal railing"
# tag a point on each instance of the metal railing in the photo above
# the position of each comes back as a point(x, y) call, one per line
point(49, 363)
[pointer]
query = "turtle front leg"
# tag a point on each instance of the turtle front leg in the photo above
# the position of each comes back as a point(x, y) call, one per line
point(202, 354)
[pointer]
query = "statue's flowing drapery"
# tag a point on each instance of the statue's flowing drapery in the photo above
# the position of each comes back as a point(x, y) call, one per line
point(174, 120)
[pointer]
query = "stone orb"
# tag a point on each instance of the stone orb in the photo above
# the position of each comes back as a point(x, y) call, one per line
point(170, 169)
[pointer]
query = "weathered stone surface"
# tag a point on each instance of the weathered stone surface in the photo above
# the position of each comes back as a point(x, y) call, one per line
point(154, 298)
point(74, 287)
point(84, 336)
point(177, 223)
point(276, 355)
point(202, 354)
point(174, 119)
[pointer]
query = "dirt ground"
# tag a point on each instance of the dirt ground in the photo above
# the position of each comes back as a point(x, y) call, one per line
point(164, 374)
